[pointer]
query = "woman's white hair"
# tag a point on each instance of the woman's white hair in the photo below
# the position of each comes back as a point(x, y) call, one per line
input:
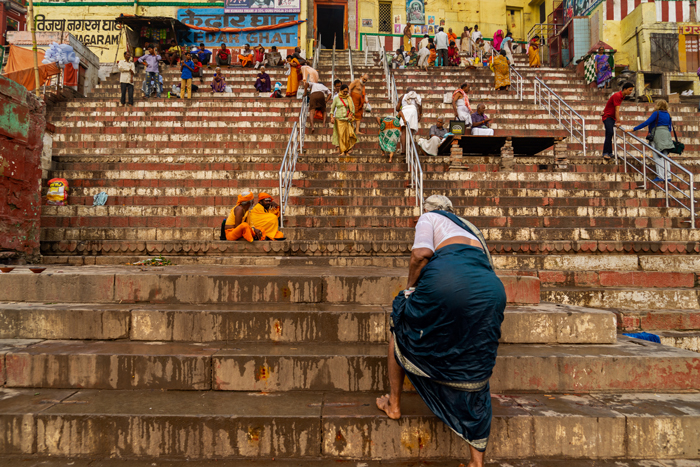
point(437, 202)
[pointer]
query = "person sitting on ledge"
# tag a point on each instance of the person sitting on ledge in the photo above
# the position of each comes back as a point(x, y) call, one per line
point(263, 83)
point(265, 216)
point(437, 134)
point(480, 122)
point(259, 56)
point(223, 56)
point(246, 58)
point(172, 56)
point(218, 83)
point(237, 226)
point(273, 57)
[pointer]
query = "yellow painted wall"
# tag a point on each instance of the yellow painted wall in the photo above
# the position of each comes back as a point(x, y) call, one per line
point(490, 15)
point(95, 39)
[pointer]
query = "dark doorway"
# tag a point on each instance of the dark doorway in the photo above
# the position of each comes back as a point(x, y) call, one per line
point(330, 21)
point(543, 13)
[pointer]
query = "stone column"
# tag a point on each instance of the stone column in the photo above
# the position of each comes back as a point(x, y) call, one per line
point(507, 156)
point(456, 156)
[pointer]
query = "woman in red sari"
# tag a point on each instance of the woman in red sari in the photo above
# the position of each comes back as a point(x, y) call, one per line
point(452, 55)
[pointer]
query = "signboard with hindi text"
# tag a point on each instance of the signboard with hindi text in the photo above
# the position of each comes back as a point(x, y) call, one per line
point(216, 18)
point(262, 6)
point(88, 31)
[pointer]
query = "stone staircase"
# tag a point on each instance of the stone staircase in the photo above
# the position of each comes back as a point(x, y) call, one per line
point(278, 349)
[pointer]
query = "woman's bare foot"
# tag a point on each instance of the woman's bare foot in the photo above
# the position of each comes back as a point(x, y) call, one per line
point(385, 406)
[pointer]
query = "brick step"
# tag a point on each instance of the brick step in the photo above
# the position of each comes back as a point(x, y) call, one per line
point(241, 322)
point(522, 238)
point(226, 197)
point(134, 217)
point(346, 177)
point(540, 263)
point(658, 320)
point(340, 425)
point(680, 339)
point(223, 284)
point(406, 209)
point(544, 368)
point(322, 164)
point(641, 279)
point(317, 462)
point(629, 298)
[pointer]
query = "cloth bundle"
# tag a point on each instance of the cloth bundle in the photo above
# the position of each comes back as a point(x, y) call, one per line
point(61, 54)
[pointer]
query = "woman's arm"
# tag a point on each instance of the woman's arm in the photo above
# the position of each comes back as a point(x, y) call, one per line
point(419, 258)
point(648, 122)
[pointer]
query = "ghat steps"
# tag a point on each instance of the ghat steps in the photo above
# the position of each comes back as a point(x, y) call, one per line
point(277, 349)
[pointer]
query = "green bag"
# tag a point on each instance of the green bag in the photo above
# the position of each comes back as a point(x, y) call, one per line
point(678, 147)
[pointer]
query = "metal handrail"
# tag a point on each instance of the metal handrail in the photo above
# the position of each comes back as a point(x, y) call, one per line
point(538, 30)
point(295, 147)
point(352, 73)
point(567, 117)
point(672, 179)
point(391, 92)
point(519, 82)
point(412, 160)
point(333, 65)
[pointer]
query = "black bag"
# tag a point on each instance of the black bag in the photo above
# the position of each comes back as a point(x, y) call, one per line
point(652, 131)
point(223, 230)
point(678, 147)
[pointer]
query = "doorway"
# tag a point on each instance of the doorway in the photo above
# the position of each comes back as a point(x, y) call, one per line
point(330, 22)
point(515, 23)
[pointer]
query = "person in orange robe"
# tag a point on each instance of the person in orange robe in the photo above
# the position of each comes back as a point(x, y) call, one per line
point(246, 58)
point(237, 226)
point(265, 216)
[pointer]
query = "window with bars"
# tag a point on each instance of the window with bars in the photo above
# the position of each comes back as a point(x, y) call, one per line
point(385, 17)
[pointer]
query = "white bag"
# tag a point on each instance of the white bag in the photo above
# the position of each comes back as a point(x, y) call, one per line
point(228, 89)
point(300, 92)
point(447, 99)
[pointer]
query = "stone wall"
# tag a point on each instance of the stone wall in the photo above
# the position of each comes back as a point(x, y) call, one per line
point(22, 124)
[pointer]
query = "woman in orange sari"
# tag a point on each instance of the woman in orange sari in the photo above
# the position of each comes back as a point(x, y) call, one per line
point(534, 52)
point(294, 76)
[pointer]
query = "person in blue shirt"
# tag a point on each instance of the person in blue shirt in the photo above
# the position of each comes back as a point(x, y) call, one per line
point(660, 126)
point(187, 69)
point(204, 55)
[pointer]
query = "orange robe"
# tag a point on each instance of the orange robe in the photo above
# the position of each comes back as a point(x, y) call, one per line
point(359, 102)
point(267, 221)
point(245, 60)
point(244, 230)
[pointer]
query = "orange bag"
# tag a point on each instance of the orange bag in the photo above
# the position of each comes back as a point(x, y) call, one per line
point(58, 192)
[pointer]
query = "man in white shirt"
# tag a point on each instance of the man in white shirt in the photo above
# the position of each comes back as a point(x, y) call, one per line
point(441, 44)
point(319, 95)
point(126, 79)
point(424, 43)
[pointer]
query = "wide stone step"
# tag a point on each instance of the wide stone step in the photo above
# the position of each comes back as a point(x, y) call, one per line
point(630, 365)
point(629, 298)
point(291, 323)
point(152, 425)
point(405, 209)
point(658, 320)
point(212, 285)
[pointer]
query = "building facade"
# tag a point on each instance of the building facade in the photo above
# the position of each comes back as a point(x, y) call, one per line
point(12, 18)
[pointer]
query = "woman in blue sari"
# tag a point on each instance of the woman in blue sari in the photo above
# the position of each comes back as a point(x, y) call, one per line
point(603, 69)
point(446, 325)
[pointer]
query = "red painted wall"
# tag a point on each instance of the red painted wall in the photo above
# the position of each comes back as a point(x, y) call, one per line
point(22, 124)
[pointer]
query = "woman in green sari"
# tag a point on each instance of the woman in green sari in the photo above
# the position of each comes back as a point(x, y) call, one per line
point(389, 135)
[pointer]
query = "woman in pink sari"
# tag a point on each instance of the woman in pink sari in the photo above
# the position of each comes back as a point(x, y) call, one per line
point(497, 39)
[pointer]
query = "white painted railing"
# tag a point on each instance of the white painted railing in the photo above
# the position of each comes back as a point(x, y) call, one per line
point(517, 78)
point(352, 73)
point(295, 147)
point(637, 155)
point(567, 117)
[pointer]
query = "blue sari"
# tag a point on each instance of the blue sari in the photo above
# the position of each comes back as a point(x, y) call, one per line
point(446, 335)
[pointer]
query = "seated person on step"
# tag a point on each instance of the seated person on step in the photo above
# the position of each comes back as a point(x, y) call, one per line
point(265, 216)
point(237, 226)
point(172, 56)
point(274, 58)
point(259, 56)
point(246, 57)
point(223, 56)
point(480, 122)
point(437, 134)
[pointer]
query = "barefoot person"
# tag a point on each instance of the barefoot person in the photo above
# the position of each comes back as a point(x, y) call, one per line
point(445, 326)
point(342, 115)
point(319, 95)
point(359, 98)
